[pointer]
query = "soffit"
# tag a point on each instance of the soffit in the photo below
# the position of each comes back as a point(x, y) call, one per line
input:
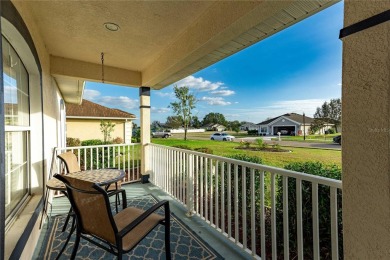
point(159, 42)
point(74, 29)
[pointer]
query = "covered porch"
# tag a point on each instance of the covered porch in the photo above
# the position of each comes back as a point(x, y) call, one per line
point(149, 45)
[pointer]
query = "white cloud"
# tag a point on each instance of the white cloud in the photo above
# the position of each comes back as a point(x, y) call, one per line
point(223, 92)
point(90, 94)
point(165, 94)
point(215, 101)
point(199, 84)
point(160, 110)
point(118, 102)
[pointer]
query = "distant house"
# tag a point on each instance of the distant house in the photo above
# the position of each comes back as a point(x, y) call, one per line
point(289, 124)
point(249, 126)
point(214, 127)
point(83, 121)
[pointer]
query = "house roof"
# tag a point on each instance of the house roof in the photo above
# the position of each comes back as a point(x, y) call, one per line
point(292, 116)
point(91, 109)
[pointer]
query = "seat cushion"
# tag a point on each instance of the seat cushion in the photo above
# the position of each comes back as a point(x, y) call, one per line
point(128, 215)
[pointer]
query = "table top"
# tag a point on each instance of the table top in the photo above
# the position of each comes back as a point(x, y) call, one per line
point(101, 177)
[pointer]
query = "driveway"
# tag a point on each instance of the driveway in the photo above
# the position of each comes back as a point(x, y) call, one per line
point(267, 140)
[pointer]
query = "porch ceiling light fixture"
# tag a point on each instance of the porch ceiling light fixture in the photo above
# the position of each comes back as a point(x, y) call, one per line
point(112, 27)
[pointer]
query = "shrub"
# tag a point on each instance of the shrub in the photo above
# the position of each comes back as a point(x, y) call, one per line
point(117, 140)
point(245, 144)
point(92, 142)
point(204, 150)
point(260, 143)
point(72, 142)
point(318, 169)
point(253, 132)
point(182, 146)
point(331, 131)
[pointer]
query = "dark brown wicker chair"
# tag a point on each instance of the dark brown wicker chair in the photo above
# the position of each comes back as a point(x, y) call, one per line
point(120, 233)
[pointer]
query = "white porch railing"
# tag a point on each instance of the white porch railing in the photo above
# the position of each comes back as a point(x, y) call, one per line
point(267, 211)
point(122, 156)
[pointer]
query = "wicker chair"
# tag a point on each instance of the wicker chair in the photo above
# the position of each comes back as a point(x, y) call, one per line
point(120, 233)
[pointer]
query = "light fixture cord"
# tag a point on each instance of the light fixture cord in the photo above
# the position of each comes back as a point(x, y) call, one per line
point(102, 58)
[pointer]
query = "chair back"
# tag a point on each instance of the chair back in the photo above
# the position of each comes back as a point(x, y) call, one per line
point(91, 206)
point(70, 161)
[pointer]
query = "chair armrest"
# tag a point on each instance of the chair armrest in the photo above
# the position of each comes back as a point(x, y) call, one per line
point(144, 215)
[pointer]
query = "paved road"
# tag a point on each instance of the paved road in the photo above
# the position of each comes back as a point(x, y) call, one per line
point(332, 146)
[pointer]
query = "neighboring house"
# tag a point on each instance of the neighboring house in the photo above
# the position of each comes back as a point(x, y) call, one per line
point(83, 121)
point(214, 127)
point(289, 124)
point(249, 126)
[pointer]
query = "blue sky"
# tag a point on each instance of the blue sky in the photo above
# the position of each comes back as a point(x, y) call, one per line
point(295, 70)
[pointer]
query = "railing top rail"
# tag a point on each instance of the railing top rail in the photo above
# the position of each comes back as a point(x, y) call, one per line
point(283, 172)
point(94, 146)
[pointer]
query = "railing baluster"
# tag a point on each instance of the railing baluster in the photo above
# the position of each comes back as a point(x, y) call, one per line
point(206, 193)
point(216, 194)
point(299, 219)
point(253, 212)
point(236, 234)
point(229, 194)
point(334, 223)
point(196, 196)
point(212, 174)
point(316, 238)
point(273, 216)
point(286, 241)
point(262, 216)
point(223, 197)
point(190, 185)
point(243, 207)
point(201, 186)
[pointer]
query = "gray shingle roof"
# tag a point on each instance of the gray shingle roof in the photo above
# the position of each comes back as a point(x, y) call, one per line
point(293, 116)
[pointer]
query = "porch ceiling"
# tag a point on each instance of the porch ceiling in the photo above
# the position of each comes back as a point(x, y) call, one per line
point(159, 42)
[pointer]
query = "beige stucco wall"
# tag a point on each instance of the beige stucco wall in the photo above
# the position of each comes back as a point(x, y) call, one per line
point(40, 155)
point(366, 150)
point(86, 129)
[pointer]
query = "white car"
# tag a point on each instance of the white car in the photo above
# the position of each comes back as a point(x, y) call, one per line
point(222, 137)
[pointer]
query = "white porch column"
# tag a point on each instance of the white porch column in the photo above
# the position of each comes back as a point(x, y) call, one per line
point(144, 96)
point(366, 129)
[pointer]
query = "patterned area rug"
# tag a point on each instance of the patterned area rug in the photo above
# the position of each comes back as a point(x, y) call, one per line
point(185, 244)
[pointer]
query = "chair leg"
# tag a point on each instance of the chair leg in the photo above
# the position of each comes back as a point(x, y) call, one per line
point(67, 220)
point(76, 245)
point(67, 240)
point(167, 240)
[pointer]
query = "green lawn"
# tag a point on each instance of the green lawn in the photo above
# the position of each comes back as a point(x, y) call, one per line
point(328, 157)
point(309, 138)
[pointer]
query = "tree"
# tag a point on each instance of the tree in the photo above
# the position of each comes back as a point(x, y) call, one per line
point(214, 118)
point(174, 122)
point(156, 125)
point(234, 126)
point(195, 123)
point(330, 112)
point(184, 106)
point(106, 127)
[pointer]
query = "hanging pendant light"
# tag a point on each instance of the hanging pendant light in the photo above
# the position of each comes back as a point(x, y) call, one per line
point(102, 58)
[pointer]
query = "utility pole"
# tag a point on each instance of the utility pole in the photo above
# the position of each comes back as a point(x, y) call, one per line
point(304, 130)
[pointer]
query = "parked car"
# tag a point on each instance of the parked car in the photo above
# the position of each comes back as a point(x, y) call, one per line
point(337, 139)
point(221, 137)
point(163, 134)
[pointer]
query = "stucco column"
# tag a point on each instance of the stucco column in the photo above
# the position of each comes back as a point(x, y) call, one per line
point(366, 130)
point(144, 96)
